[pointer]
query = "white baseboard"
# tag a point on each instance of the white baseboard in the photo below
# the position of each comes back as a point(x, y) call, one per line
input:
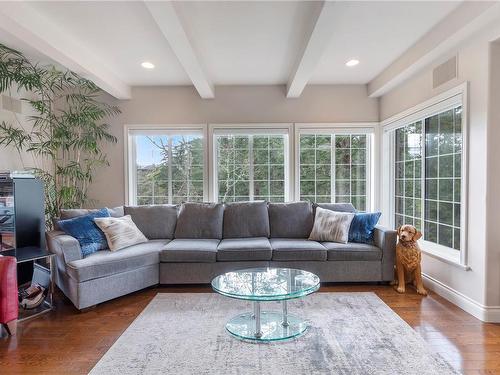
point(490, 314)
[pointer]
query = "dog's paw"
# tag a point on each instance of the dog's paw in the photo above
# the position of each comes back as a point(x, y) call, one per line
point(422, 292)
point(400, 289)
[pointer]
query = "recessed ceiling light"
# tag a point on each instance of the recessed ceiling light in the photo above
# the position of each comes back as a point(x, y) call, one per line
point(147, 65)
point(352, 63)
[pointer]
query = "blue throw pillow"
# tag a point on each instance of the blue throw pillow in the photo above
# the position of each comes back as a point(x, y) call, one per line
point(88, 234)
point(362, 227)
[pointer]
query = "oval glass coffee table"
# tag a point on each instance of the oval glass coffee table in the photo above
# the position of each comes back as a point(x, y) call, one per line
point(262, 285)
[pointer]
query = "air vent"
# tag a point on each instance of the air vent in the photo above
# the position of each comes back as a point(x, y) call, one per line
point(444, 72)
point(9, 104)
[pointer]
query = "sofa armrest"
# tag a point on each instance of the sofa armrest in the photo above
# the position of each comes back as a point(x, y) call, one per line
point(64, 246)
point(386, 239)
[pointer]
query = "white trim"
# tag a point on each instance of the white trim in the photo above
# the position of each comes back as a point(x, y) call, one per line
point(157, 129)
point(449, 99)
point(443, 253)
point(484, 313)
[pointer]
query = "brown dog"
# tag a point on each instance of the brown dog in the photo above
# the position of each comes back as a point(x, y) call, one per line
point(408, 257)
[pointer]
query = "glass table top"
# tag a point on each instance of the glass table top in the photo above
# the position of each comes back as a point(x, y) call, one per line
point(266, 284)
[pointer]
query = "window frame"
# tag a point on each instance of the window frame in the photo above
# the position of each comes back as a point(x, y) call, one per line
point(370, 129)
point(285, 129)
point(457, 96)
point(169, 130)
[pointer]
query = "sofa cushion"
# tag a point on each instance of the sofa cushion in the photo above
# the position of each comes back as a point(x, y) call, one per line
point(352, 251)
point(246, 219)
point(190, 251)
point(238, 249)
point(339, 207)
point(105, 263)
point(155, 221)
point(297, 249)
point(290, 220)
point(200, 221)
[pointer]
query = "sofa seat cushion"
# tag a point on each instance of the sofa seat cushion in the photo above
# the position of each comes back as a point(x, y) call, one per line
point(106, 263)
point(352, 251)
point(190, 250)
point(297, 249)
point(239, 249)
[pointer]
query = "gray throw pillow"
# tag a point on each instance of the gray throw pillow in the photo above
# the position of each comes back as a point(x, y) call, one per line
point(200, 220)
point(246, 219)
point(331, 226)
point(156, 222)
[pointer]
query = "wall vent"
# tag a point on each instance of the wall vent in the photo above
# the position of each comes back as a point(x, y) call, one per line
point(444, 72)
point(9, 104)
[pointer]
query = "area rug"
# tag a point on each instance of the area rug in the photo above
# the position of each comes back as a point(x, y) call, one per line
point(350, 333)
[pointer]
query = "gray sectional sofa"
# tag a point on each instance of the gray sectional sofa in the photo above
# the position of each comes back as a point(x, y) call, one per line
point(193, 242)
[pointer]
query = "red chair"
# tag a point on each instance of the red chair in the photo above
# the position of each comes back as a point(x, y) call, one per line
point(8, 294)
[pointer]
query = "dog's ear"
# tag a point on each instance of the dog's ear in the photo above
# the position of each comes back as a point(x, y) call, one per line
point(398, 231)
point(417, 235)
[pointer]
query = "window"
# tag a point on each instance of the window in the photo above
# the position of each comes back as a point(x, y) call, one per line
point(428, 170)
point(251, 167)
point(334, 168)
point(166, 167)
point(408, 189)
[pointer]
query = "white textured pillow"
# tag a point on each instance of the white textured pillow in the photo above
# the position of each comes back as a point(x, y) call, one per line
point(120, 232)
point(331, 226)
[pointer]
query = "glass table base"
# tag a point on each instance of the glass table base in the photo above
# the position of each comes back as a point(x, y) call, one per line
point(272, 328)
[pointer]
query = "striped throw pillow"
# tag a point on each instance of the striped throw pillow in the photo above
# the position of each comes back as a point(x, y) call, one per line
point(331, 226)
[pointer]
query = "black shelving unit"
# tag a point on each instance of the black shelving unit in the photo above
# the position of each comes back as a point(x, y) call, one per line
point(22, 233)
point(22, 219)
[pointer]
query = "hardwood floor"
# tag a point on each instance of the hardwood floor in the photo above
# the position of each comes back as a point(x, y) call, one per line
point(66, 341)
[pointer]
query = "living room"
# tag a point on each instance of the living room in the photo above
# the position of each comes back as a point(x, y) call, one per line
point(243, 187)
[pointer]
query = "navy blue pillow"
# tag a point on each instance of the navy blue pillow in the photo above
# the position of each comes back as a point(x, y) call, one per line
point(88, 234)
point(362, 227)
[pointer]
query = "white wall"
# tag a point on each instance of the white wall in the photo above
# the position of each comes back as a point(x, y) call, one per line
point(232, 104)
point(466, 288)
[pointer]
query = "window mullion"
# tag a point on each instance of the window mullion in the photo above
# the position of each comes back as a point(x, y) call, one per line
point(250, 172)
point(170, 189)
point(332, 168)
point(422, 177)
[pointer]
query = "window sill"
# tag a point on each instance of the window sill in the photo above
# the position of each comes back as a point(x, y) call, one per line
point(444, 254)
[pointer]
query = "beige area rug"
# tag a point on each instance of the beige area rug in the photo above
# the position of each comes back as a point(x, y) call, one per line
point(350, 333)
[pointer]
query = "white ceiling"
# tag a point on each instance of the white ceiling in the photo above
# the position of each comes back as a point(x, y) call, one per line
point(375, 33)
point(240, 42)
